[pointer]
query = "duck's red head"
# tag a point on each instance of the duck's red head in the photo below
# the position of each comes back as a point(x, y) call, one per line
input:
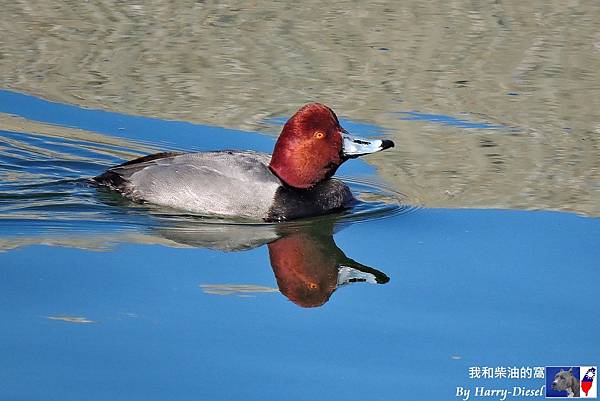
point(312, 145)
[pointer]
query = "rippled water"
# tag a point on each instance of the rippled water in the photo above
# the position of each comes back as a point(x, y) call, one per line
point(46, 186)
point(442, 266)
point(515, 83)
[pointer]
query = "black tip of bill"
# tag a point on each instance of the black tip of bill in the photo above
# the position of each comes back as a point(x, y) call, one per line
point(386, 144)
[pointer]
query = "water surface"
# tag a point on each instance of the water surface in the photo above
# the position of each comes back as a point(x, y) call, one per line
point(475, 242)
point(162, 305)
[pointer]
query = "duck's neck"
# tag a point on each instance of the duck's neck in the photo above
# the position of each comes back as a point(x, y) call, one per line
point(290, 179)
point(299, 168)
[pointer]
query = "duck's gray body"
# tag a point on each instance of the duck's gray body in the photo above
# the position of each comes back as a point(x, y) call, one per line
point(223, 183)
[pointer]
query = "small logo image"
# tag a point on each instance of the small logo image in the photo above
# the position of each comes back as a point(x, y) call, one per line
point(589, 384)
point(571, 381)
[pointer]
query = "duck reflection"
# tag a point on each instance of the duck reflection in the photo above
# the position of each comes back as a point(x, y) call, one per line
point(309, 266)
point(307, 263)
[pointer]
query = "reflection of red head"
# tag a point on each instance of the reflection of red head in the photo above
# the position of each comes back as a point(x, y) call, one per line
point(305, 269)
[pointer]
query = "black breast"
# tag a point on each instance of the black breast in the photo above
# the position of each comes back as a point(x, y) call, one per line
point(294, 203)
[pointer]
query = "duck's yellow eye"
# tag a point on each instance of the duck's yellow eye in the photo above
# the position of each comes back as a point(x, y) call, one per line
point(319, 135)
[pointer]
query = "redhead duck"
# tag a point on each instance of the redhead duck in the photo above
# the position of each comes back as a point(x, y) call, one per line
point(294, 182)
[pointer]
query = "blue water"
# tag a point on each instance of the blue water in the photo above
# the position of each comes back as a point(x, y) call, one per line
point(467, 288)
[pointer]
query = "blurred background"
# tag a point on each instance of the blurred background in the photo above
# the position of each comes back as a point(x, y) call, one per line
point(492, 104)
